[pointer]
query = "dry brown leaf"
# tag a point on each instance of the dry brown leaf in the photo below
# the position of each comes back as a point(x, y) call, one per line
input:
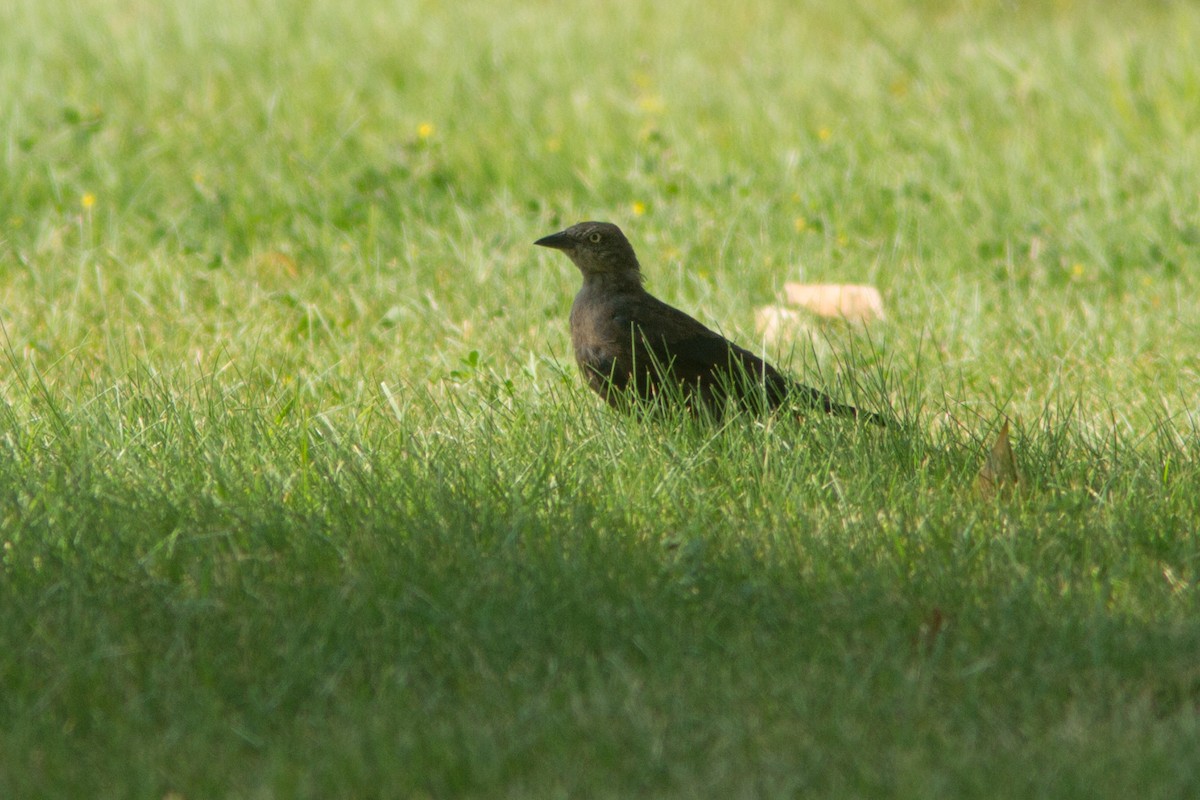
point(930, 629)
point(848, 301)
point(999, 475)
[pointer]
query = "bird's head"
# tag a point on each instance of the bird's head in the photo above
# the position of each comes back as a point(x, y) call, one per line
point(597, 248)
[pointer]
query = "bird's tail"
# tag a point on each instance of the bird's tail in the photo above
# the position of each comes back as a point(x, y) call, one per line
point(827, 404)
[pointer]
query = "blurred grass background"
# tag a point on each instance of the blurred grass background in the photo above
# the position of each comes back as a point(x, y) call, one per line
point(364, 181)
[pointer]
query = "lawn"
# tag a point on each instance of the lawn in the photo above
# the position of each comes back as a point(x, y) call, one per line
point(301, 495)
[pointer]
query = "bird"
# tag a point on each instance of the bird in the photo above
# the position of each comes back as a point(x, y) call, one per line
point(634, 350)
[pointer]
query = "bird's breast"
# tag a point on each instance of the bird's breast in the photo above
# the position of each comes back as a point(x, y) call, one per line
point(601, 340)
point(594, 322)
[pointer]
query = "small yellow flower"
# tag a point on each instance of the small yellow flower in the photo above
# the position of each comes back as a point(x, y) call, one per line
point(553, 144)
point(1077, 270)
point(651, 103)
point(801, 224)
point(843, 240)
point(88, 200)
point(1147, 281)
point(639, 208)
point(425, 130)
point(823, 134)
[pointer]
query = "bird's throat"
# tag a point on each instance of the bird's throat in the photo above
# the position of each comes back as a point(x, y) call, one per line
point(623, 281)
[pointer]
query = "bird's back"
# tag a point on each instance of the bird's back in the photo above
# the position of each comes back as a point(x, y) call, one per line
point(627, 339)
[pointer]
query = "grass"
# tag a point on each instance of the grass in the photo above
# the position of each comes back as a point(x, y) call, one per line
point(300, 495)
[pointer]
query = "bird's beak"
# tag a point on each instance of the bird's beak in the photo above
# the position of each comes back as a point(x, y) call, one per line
point(558, 241)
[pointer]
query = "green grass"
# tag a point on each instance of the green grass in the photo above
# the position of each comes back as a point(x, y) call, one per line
point(300, 495)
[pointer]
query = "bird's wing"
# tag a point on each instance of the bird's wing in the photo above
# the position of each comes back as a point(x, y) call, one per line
point(694, 354)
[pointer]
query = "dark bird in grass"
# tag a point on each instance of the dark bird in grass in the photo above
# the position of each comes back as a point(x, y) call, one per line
point(635, 349)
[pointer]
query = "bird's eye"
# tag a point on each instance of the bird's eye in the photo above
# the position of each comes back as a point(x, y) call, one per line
point(595, 238)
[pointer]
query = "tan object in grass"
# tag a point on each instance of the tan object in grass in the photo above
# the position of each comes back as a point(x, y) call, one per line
point(999, 475)
point(848, 301)
point(777, 324)
point(274, 266)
